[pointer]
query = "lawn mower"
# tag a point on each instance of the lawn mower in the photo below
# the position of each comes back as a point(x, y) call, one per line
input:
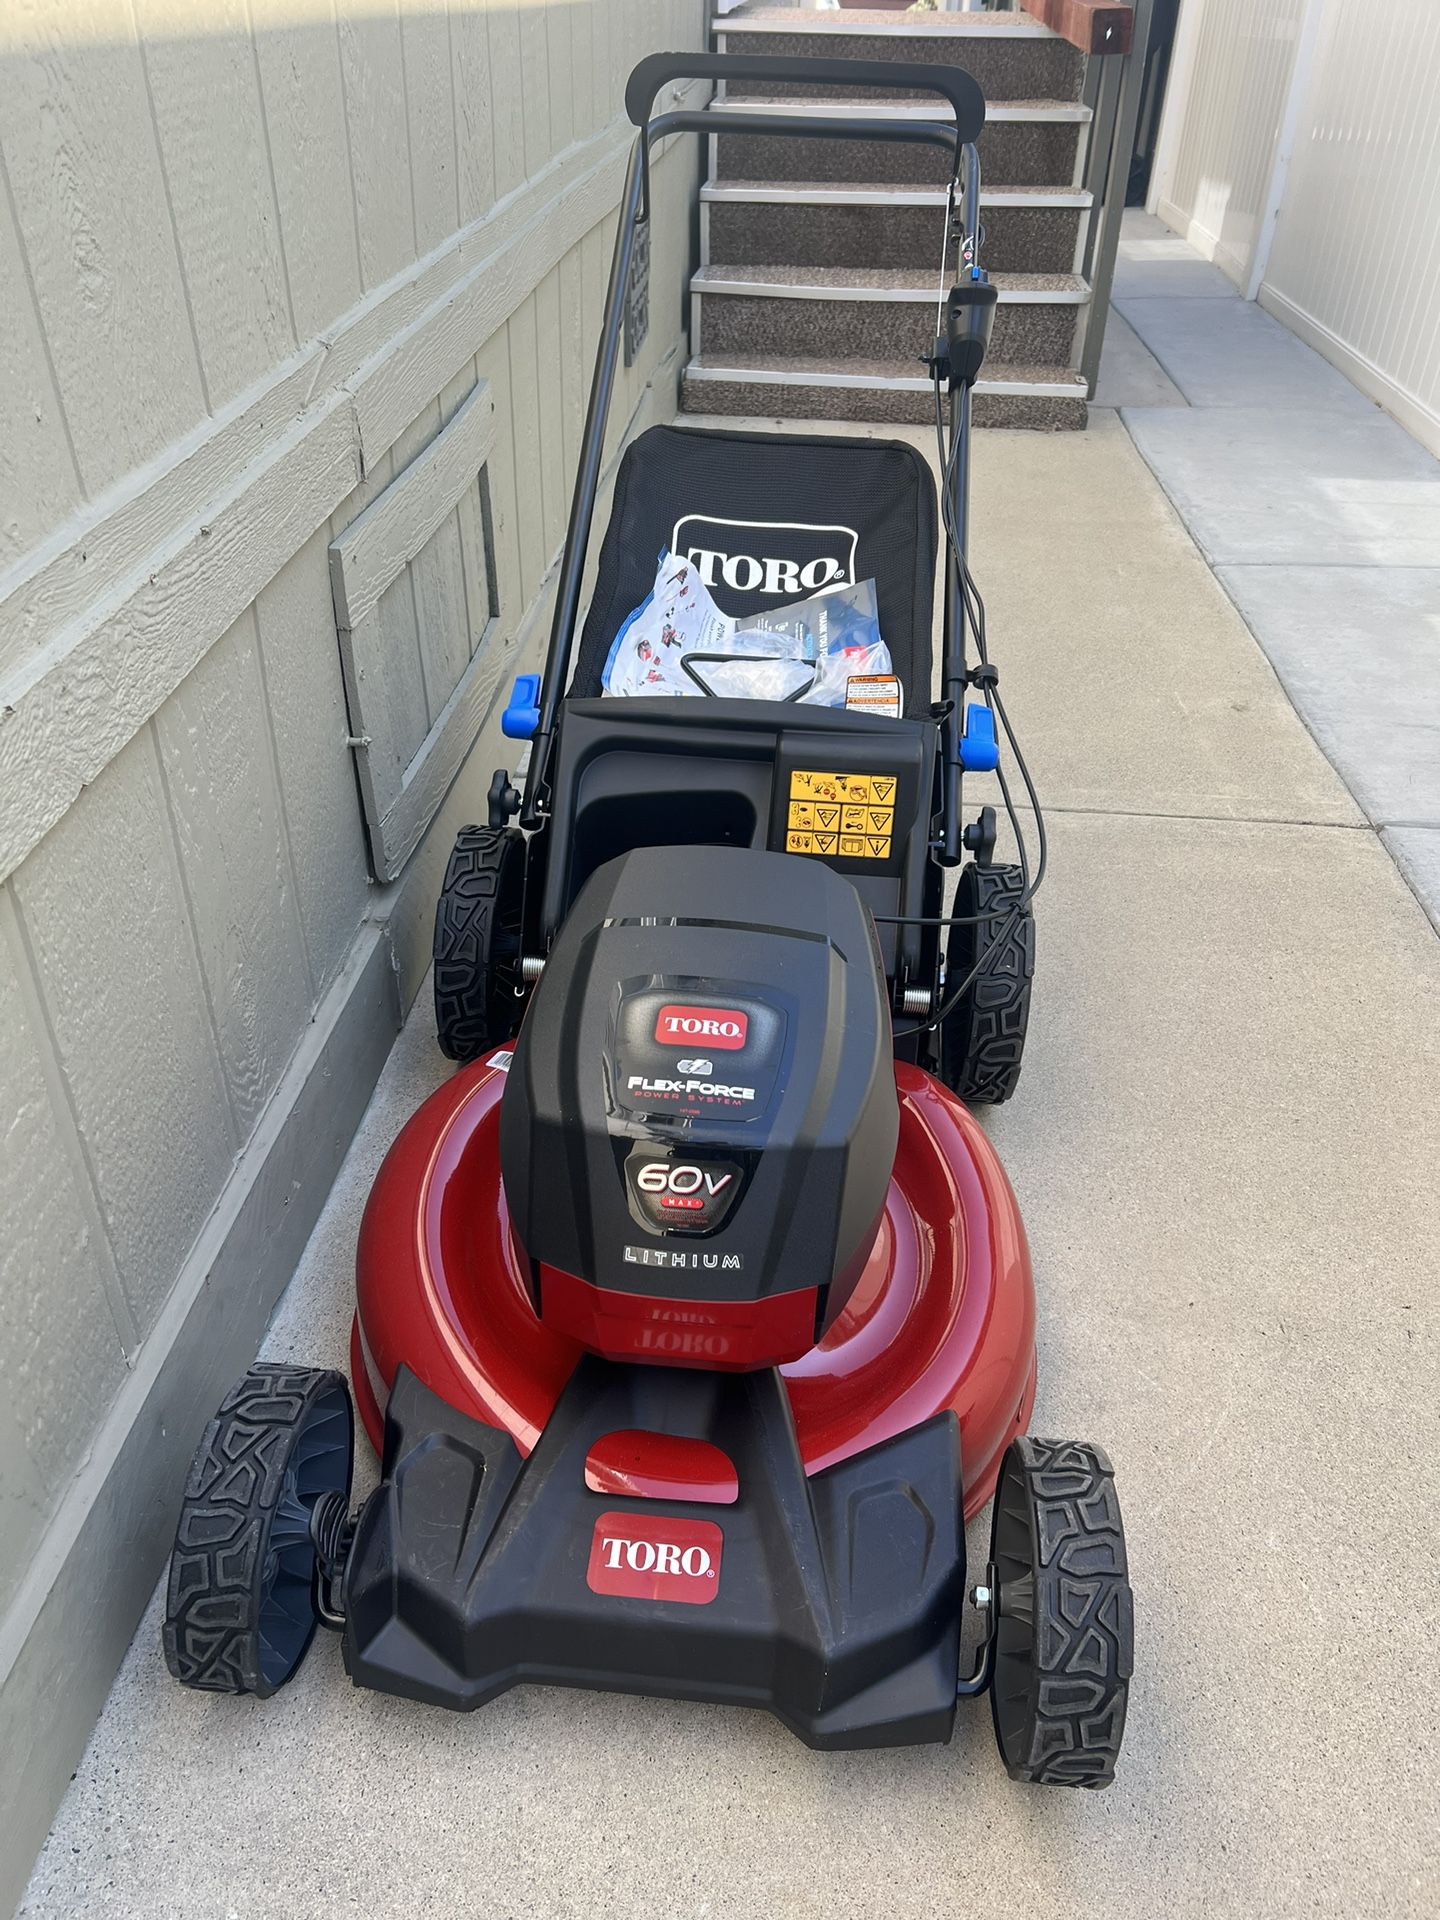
point(694, 1312)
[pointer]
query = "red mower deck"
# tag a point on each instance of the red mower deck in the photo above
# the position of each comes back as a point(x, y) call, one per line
point(942, 1318)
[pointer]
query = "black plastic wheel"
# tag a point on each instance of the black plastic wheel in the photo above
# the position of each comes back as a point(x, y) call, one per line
point(1064, 1644)
point(240, 1605)
point(982, 1038)
point(477, 941)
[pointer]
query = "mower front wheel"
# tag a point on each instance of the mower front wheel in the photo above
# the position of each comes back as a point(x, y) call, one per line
point(1064, 1627)
point(240, 1607)
point(983, 1036)
point(478, 920)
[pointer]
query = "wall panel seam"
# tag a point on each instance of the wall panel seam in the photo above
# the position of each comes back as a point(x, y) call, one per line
point(409, 138)
point(170, 209)
point(425, 693)
point(471, 646)
point(349, 154)
point(41, 329)
point(270, 171)
point(192, 938)
point(283, 805)
point(67, 1120)
point(454, 106)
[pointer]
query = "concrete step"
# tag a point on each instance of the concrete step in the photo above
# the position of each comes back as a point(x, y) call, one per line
point(814, 223)
point(872, 313)
point(1025, 142)
point(793, 387)
point(1008, 53)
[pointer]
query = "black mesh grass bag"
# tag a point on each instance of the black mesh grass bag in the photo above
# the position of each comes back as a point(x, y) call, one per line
point(768, 519)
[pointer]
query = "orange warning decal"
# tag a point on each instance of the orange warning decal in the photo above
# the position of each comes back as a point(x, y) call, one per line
point(851, 815)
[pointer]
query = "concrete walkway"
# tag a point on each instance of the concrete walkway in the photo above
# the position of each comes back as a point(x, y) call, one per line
point(1320, 515)
point(1225, 1144)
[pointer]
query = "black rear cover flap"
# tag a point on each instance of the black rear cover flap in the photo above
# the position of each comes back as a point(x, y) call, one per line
point(769, 519)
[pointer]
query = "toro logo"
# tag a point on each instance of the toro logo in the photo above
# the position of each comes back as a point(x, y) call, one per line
point(786, 559)
point(642, 1556)
point(723, 1028)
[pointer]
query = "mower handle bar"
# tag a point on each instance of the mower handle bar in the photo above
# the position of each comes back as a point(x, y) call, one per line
point(651, 74)
point(951, 83)
point(816, 126)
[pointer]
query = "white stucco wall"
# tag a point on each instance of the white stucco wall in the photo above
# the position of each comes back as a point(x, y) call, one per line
point(1226, 102)
point(1355, 264)
point(253, 257)
point(1300, 151)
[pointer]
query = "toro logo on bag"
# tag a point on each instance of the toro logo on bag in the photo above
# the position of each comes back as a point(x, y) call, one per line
point(642, 1556)
point(721, 1028)
point(785, 559)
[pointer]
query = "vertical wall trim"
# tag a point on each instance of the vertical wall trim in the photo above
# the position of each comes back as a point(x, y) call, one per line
point(1177, 100)
point(1285, 144)
point(67, 1123)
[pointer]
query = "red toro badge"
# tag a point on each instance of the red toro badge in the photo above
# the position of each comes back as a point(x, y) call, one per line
point(644, 1556)
point(723, 1028)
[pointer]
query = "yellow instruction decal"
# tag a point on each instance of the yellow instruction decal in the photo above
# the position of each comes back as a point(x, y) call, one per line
point(850, 816)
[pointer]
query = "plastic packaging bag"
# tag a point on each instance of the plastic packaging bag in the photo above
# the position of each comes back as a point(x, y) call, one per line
point(678, 617)
point(679, 643)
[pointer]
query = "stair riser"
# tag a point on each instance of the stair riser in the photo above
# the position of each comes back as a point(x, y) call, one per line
point(753, 399)
point(780, 234)
point(1007, 69)
point(1025, 335)
point(1017, 153)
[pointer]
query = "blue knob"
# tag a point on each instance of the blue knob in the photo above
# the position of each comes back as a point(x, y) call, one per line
point(979, 748)
point(522, 716)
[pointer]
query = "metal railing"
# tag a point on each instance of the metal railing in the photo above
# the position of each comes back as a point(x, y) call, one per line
point(1113, 87)
point(1113, 35)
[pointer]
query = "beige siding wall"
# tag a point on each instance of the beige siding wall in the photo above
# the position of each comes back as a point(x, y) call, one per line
point(1355, 265)
point(253, 257)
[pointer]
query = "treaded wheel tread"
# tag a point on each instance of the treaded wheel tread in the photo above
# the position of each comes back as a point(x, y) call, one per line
point(984, 1037)
point(1074, 1610)
point(473, 941)
point(211, 1630)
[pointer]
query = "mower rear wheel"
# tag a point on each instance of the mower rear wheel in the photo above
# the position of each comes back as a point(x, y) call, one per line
point(240, 1605)
point(1064, 1645)
point(983, 1037)
point(478, 921)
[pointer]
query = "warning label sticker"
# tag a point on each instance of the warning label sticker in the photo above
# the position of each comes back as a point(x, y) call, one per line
point(850, 816)
point(873, 693)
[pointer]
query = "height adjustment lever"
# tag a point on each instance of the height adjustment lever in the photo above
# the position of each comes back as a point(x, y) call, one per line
point(503, 800)
point(980, 837)
point(969, 316)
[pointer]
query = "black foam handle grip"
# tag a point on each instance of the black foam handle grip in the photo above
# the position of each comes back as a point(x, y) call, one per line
point(951, 83)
